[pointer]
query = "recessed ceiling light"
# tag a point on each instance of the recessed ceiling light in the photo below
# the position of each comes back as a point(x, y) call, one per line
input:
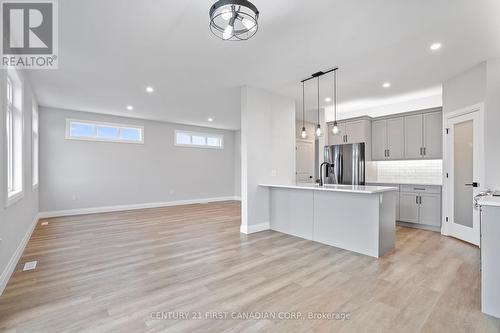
point(386, 85)
point(149, 89)
point(130, 107)
point(435, 46)
point(328, 99)
point(210, 119)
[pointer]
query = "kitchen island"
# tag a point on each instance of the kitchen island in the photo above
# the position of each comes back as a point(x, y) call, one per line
point(357, 218)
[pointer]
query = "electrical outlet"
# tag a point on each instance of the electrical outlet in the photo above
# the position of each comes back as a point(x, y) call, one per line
point(273, 172)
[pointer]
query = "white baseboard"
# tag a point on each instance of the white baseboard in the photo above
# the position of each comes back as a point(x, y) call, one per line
point(250, 229)
point(94, 210)
point(11, 266)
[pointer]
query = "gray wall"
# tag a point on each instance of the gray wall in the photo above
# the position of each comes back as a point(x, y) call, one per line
point(85, 174)
point(16, 220)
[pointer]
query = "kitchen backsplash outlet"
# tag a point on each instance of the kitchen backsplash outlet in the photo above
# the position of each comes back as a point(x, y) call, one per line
point(417, 171)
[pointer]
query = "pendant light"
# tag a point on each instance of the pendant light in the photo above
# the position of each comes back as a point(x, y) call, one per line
point(303, 134)
point(319, 132)
point(335, 129)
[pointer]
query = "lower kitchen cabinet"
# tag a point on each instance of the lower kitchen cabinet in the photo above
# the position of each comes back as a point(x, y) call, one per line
point(430, 209)
point(420, 205)
point(408, 207)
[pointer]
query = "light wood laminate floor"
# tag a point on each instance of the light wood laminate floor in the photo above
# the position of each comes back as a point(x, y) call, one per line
point(127, 271)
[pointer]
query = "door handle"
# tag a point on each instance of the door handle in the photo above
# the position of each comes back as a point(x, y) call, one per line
point(473, 184)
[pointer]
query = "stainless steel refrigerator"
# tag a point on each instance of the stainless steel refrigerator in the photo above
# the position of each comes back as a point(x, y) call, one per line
point(348, 164)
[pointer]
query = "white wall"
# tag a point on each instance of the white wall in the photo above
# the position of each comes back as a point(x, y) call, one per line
point(267, 152)
point(480, 84)
point(78, 175)
point(16, 221)
point(492, 124)
point(237, 164)
point(465, 89)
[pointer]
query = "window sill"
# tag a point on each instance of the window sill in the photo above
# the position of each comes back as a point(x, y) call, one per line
point(14, 197)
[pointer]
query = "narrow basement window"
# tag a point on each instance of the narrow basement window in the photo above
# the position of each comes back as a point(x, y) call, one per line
point(106, 132)
point(199, 140)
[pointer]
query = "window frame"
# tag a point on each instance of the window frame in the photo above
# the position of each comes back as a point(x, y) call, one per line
point(14, 138)
point(193, 133)
point(69, 121)
point(35, 146)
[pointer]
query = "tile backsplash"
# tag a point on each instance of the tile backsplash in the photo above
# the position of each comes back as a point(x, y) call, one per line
point(418, 171)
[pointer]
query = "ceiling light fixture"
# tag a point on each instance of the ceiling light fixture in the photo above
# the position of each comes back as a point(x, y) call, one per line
point(328, 99)
point(130, 107)
point(435, 46)
point(335, 128)
point(149, 89)
point(303, 133)
point(210, 119)
point(234, 19)
point(386, 85)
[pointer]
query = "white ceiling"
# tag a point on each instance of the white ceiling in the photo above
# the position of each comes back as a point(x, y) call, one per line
point(111, 50)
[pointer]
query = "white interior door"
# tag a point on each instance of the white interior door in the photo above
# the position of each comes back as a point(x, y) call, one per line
point(465, 175)
point(305, 161)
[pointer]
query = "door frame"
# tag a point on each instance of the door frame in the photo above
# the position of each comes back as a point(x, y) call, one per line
point(446, 228)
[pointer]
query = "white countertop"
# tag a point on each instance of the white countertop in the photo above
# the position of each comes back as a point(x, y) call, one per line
point(335, 188)
point(489, 201)
point(405, 182)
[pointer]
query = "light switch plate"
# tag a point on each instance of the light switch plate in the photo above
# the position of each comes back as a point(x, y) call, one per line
point(29, 265)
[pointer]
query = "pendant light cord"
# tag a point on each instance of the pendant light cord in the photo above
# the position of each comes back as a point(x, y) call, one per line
point(303, 107)
point(335, 94)
point(318, 100)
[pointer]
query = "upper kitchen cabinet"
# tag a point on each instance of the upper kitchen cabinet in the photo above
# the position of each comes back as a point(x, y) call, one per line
point(423, 136)
point(433, 135)
point(414, 130)
point(352, 131)
point(387, 139)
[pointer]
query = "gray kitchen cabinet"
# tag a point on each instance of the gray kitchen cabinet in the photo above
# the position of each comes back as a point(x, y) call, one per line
point(420, 204)
point(430, 209)
point(379, 140)
point(353, 131)
point(387, 139)
point(413, 136)
point(433, 135)
point(356, 131)
point(408, 207)
point(395, 138)
point(423, 136)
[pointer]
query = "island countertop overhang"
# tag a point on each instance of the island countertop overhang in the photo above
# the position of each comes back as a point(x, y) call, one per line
point(363, 189)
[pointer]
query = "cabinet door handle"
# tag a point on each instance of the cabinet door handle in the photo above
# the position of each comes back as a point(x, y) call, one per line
point(425, 153)
point(420, 199)
point(388, 153)
point(421, 151)
point(416, 199)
